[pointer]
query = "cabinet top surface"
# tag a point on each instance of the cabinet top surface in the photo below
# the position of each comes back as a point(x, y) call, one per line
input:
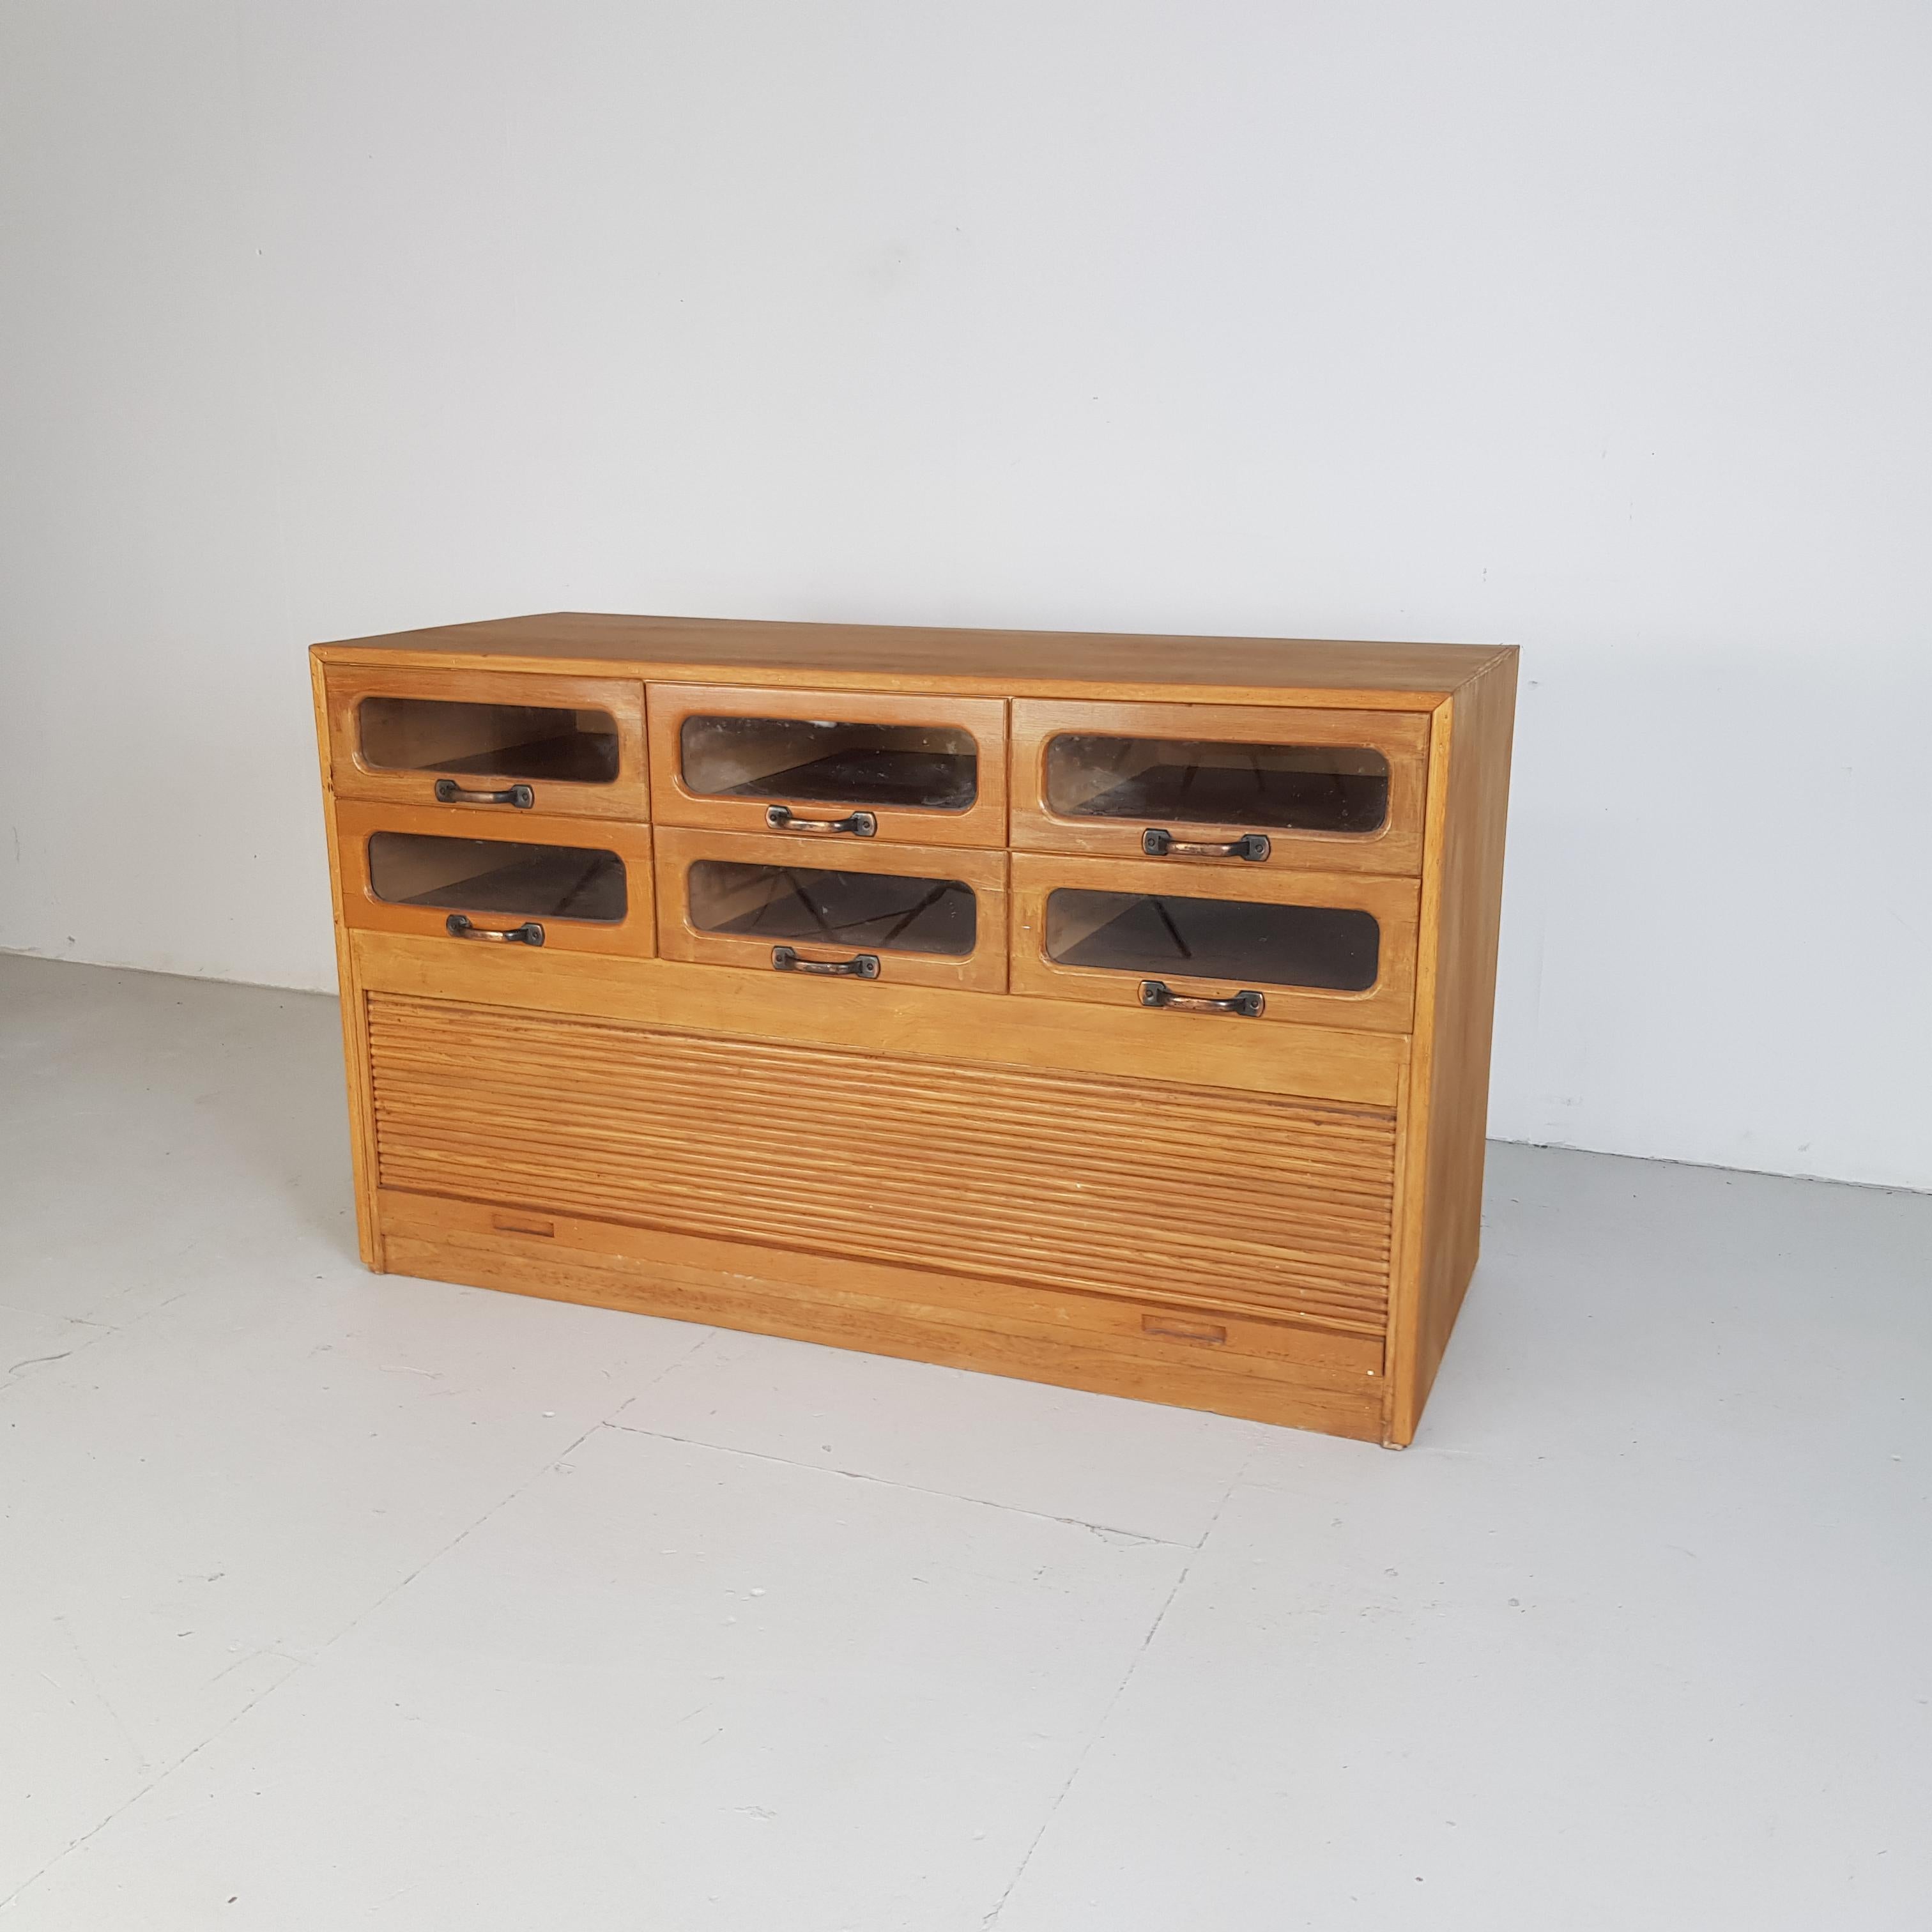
point(882, 656)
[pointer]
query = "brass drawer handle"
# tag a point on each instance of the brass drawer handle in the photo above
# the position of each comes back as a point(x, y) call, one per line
point(1159, 844)
point(459, 926)
point(860, 966)
point(449, 792)
point(1158, 993)
point(859, 824)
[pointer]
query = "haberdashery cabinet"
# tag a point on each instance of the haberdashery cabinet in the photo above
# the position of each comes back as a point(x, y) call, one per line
point(1109, 1011)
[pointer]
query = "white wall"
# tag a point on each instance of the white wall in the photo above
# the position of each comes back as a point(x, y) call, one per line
point(1603, 330)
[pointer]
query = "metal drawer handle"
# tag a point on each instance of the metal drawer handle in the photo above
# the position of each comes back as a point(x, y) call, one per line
point(449, 792)
point(459, 926)
point(1159, 844)
point(860, 966)
point(1158, 993)
point(859, 824)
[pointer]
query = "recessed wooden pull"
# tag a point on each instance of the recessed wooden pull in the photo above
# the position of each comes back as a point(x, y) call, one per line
point(521, 1224)
point(1176, 1329)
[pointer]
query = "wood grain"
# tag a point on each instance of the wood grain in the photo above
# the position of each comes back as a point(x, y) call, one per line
point(1447, 1110)
point(898, 1021)
point(1286, 1392)
point(1347, 1360)
point(996, 663)
point(1233, 1202)
point(355, 1031)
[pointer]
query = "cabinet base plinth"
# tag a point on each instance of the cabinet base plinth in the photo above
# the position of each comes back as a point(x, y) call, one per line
point(1333, 1399)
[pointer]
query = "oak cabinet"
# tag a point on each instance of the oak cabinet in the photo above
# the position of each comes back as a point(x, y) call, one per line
point(1113, 1012)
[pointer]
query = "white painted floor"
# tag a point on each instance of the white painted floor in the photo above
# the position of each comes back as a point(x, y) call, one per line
point(330, 1601)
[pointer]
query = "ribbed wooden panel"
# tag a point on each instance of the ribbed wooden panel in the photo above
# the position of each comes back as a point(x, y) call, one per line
point(1136, 1187)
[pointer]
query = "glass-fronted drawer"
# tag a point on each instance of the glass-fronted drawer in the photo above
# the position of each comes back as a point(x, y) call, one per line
point(1225, 785)
point(839, 767)
point(1261, 944)
point(530, 880)
point(923, 915)
point(489, 741)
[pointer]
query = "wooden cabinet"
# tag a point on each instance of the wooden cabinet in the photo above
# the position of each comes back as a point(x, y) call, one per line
point(1109, 1011)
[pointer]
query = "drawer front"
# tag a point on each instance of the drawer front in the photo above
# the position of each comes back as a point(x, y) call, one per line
point(1351, 1351)
point(1176, 1197)
point(526, 881)
point(1223, 786)
point(489, 743)
point(1230, 946)
point(859, 911)
point(830, 768)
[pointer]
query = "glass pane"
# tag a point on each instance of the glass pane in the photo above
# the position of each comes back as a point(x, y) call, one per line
point(494, 875)
point(512, 741)
point(935, 766)
point(1196, 782)
point(805, 904)
point(1336, 947)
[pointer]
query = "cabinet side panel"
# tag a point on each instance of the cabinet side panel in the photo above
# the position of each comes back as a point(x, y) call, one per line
point(354, 1025)
point(1449, 1091)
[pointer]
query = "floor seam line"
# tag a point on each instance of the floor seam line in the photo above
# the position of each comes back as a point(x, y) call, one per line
point(697, 1348)
point(1235, 1482)
point(462, 1536)
point(1120, 1691)
point(302, 1664)
point(1087, 1751)
point(911, 1488)
point(159, 1777)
